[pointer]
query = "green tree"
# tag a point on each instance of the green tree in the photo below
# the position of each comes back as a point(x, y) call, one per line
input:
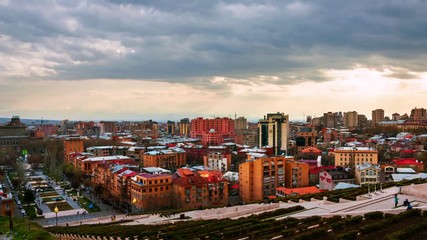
point(29, 196)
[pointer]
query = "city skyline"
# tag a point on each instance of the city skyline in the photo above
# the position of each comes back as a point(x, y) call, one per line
point(100, 60)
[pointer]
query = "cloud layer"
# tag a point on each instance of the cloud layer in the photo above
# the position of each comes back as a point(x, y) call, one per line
point(210, 45)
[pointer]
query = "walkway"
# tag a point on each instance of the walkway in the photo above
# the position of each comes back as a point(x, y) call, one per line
point(380, 201)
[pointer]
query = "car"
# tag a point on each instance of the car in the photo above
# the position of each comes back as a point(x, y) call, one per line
point(20, 206)
point(23, 212)
point(18, 202)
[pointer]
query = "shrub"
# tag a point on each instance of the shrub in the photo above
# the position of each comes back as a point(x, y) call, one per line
point(288, 232)
point(374, 215)
point(292, 222)
point(407, 233)
point(312, 219)
point(314, 234)
point(352, 235)
point(353, 221)
point(333, 219)
point(337, 226)
point(371, 228)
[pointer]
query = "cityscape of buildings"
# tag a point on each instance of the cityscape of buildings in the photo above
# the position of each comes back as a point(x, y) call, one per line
point(187, 164)
point(129, 112)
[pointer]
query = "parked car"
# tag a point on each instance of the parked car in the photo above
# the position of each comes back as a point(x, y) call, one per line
point(23, 212)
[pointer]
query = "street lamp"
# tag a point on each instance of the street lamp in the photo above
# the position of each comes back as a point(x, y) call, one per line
point(56, 210)
point(134, 202)
point(9, 212)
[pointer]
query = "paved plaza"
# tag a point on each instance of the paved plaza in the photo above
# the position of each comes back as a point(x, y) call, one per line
point(376, 201)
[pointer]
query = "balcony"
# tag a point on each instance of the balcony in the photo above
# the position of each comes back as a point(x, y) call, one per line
point(267, 179)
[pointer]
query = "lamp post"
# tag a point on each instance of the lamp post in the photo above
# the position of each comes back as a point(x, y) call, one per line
point(56, 210)
point(9, 212)
point(133, 202)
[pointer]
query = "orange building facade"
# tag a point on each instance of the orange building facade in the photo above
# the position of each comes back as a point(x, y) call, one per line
point(198, 189)
point(296, 174)
point(350, 157)
point(72, 145)
point(151, 191)
point(169, 158)
point(258, 179)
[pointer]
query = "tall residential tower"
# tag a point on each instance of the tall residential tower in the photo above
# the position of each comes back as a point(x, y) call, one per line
point(273, 131)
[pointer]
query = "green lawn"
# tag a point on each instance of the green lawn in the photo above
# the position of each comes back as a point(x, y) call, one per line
point(48, 194)
point(52, 198)
point(62, 206)
point(85, 203)
point(24, 229)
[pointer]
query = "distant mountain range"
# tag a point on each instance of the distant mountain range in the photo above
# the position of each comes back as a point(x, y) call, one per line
point(30, 122)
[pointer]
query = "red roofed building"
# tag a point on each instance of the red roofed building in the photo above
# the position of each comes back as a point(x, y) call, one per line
point(283, 192)
point(7, 204)
point(314, 173)
point(114, 178)
point(311, 150)
point(196, 189)
point(86, 163)
point(413, 163)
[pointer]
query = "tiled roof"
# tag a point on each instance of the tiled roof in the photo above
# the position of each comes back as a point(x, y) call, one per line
point(407, 161)
point(300, 191)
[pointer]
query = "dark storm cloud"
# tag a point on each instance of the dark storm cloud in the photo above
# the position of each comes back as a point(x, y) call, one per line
point(193, 41)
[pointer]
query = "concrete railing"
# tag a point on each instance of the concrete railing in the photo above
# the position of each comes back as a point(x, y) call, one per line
point(80, 237)
point(237, 212)
point(419, 190)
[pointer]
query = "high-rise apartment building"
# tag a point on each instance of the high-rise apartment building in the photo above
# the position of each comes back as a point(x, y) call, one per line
point(362, 121)
point(377, 116)
point(212, 131)
point(258, 179)
point(273, 131)
point(418, 114)
point(109, 127)
point(306, 137)
point(170, 127)
point(350, 119)
point(240, 124)
point(184, 127)
point(330, 120)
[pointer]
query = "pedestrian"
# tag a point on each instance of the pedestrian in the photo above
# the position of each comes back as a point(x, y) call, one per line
point(406, 202)
point(396, 200)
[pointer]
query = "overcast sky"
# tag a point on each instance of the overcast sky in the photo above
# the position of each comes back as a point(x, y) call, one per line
point(138, 60)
